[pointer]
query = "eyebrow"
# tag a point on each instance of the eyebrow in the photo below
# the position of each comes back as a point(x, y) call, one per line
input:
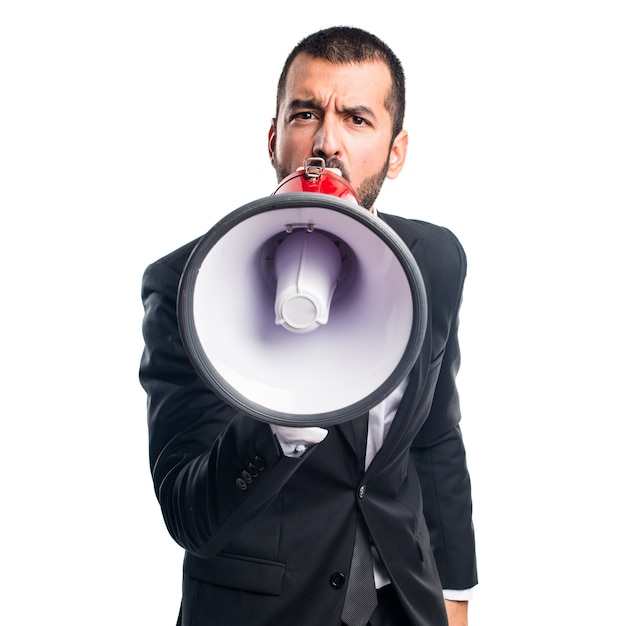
point(316, 105)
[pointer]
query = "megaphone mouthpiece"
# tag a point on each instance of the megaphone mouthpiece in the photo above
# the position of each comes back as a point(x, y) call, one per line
point(315, 177)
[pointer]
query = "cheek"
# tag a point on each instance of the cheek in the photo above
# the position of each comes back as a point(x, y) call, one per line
point(369, 168)
point(291, 148)
point(372, 155)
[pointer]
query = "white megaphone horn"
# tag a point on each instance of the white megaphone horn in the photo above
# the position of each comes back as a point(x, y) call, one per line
point(302, 308)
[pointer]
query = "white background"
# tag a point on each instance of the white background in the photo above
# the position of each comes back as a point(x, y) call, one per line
point(129, 127)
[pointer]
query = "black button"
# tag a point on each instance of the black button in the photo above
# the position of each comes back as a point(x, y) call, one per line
point(337, 580)
point(241, 483)
point(259, 463)
point(246, 476)
point(253, 469)
point(362, 491)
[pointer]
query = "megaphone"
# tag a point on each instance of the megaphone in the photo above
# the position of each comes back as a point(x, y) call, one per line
point(302, 308)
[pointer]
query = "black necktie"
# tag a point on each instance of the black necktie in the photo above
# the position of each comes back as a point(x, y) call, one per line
point(361, 598)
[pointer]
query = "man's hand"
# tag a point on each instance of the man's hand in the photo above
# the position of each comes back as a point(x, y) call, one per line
point(295, 440)
point(457, 612)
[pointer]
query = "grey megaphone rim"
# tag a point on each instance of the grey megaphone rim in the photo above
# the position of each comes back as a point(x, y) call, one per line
point(223, 388)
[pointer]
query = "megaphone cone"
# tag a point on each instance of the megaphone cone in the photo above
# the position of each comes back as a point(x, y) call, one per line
point(302, 308)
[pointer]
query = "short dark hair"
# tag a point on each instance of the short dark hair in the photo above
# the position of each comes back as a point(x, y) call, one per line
point(343, 45)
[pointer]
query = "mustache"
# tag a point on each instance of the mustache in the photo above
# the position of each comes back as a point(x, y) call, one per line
point(336, 163)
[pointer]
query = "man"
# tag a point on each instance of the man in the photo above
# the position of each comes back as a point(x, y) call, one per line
point(268, 515)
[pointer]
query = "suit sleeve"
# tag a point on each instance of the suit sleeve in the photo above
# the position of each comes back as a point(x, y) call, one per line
point(213, 468)
point(439, 455)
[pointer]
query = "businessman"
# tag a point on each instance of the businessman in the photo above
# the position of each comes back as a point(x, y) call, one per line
point(366, 522)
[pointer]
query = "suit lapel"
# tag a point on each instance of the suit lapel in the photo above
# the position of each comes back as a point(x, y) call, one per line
point(402, 422)
point(403, 419)
point(348, 432)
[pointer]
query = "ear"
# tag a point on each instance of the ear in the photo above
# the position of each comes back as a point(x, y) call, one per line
point(397, 154)
point(271, 141)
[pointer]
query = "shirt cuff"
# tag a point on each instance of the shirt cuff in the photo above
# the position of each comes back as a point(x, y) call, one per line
point(293, 451)
point(460, 595)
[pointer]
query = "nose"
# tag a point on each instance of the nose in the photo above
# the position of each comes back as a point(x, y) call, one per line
point(326, 141)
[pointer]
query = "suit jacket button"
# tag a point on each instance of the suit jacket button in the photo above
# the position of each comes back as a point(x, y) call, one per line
point(253, 470)
point(259, 463)
point(246, 476)
point(241, 483)
point(337, 580)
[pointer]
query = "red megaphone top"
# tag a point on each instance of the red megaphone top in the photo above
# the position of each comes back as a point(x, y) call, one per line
point(316, 178)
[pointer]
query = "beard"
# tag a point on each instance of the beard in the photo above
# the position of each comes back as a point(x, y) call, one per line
point(366, 192)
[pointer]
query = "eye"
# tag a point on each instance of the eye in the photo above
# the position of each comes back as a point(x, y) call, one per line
point(358, 121)
point(303, 115)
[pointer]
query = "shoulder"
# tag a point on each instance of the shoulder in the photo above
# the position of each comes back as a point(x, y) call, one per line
point(164, 273)
point(428, 233)
point(431, 243)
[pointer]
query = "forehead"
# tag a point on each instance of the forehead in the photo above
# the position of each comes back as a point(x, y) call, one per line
point(367, 83)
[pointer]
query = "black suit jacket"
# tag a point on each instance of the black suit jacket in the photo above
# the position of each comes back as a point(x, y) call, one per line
point(268, 539)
